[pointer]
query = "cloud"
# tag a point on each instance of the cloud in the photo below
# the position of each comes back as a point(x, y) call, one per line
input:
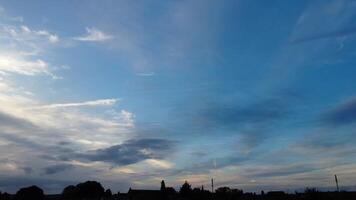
point(162, 164)
point(282, 170)
point(22, 50)
point(94, 35)
point(131, 151)
point(310, 25)
point(11, 63)
point(56, 135)
point(57, 168)
point(146, 74)
point(52, 38)
point(7, 120)
point(231, 114)
point(214, 164)
point(252, 122)
point(27, 170)
point(23, 33)
point(331, 34)
point(343, 114)
point(99, 102)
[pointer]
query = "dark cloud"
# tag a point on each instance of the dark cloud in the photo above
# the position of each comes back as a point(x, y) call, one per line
point(131, 151)
point(27, 170)
point(331, 34)
point(53, 169)
point(252, 121)
point(344, 114)
point(9, 121)
point(233, 114)
point(13, 129)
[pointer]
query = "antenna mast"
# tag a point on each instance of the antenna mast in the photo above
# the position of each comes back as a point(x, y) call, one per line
point(212, 185)
point(337, 184)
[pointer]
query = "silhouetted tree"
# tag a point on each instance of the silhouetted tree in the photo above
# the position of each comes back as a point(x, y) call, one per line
point(163, 186)
point(237, 192)
point(311, 194)
point(170, 191)
point(70, 192)
point(5, 196)
point(228, 193)
point(90, 189)
point(30, 193)
point(186, 189)
point(223, 190)
point(108, 193)
point(196, 190)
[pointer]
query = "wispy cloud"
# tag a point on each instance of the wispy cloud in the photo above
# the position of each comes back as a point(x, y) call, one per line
point(22, 50)
point(146, 74)
point(99, 102)
point(12, 63)
point(94, 35)
point(331, 34)
point(53, 38)
point(310, 25)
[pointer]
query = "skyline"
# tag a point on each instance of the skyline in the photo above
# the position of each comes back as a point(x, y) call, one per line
point(257, 95)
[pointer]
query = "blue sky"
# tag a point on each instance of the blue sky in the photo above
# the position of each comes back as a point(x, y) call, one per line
point(257, 94)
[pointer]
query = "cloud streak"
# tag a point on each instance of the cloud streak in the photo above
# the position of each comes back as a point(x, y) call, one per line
point(94, 35)
point(331, 34)
point(99, 102)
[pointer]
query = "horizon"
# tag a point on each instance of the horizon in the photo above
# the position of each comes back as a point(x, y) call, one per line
point(257, 95)
point(177, 189)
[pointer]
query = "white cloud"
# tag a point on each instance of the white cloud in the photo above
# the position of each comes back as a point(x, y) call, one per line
point(46, 127)
point(162, 164)
point(99, 102)
point(22, 49)
point(18, 64)
point(53, 38)
point(4, 87)
point(146, 74)
point(123, 170)
point(94, 35)
point(25, 34)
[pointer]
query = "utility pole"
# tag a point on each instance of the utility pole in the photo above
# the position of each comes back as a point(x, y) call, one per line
point(337, 184)
point(212, 185)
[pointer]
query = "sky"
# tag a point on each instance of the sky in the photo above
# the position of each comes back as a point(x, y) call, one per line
point(259, 95)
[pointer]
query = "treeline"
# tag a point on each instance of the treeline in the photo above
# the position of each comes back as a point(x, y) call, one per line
point(92, 190)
